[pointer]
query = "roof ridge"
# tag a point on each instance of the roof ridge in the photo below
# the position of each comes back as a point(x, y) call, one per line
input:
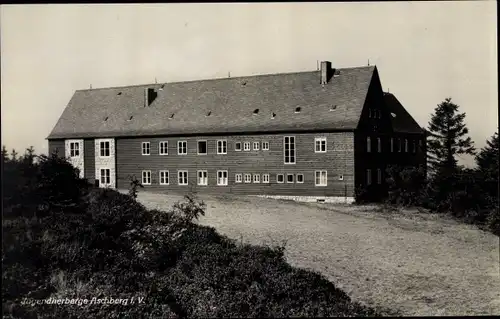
point(218, 79)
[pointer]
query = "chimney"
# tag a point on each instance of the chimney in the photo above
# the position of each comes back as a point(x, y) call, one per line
point(326, 71)
point(150, 95)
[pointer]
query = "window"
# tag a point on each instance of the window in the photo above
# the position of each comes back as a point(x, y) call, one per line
point(341, 177)
point(379, 176)
point(74, 148)
point(104, 146)
point(238, 178)
point(369, 113)
point(265, 146)
point(237, 146)
point(182, 147)
point(406, 145)
point(368, 144)
point(256, 178)
point(248, 178)
point(255, 146)
point(399, 145)
point(320, 178)
point(221, 147)
point(368, 177)
point(420, 146)
point(289, 146)
point(320, 145)
point(202, 178)
point(202, 147)
point(300, 178)
point(105, 176)
point(163, 148)
point(146, 177)
point(222, 178)
point(164, 178)
point(289, 178)
point(182, 177)
point(414, 144)
point(146, 148)
point(280, 178)
point(379, 145)
point(265, 178)
point(246, 146)
point(392, 145)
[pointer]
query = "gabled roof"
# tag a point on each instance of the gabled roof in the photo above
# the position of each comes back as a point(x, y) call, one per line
point(401, 120)
point(231, 102)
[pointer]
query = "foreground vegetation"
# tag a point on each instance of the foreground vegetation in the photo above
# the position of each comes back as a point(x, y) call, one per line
point(64, 240)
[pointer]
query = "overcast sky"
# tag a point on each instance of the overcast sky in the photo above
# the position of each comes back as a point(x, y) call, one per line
point(425, 52)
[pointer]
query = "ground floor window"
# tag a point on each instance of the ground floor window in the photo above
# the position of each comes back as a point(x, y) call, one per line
point(182, 177)
point(248, 178)
point(146, 177)
point(280, 178)
point(300, 178)
point(222, 178)
point(368, 177)
point(202, 178)
point(265, 178)
point(238, 178)
point(320, 178)
point(164, 178)
point(105, 176)
point(256, 178)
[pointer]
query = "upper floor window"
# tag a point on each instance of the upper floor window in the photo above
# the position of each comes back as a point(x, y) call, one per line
point(146, 177)
point(379, 145)
point(182, 147)
point(320, 145)
point(104, 148)
point(256, 146)
point(289, 148)
point(146, 148)
point(221, 147)
point(265, 146)
point(163, 148)
point(246, 146)
point(320, 178)
point(368, 144)
point(74, 149)
point(237, 146)
point(202, 147)
point(222, 178)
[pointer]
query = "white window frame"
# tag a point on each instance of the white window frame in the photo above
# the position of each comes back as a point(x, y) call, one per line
point(293, 178)
point(224, 180)
point(256, 144)
point(238, 178)
point(265, 178)
point(320, 141)
point(265, 146)
point(297, 179)
point(165, 147)
point(278, 178)
point(74, 148)
point(368, 176)
point(379, 145)
point(107, 178)
point(323, 178)
point(101, 148)
point(236, 148)
point(147, 174)
point(146, 146)
point(203, 180)
point(182, 146)
point(256, 178)
point(179, 179)
point(246, 146)
point(221, 146)
point(164, 180)
point(290, 162)
point(368, 144)
point(248, 178)
point(198, 147)
point(379, 176)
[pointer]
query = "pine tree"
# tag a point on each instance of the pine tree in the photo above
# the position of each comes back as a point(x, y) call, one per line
point(5, 154)
point(488, 165)
point(13, 155)
point(447, 138)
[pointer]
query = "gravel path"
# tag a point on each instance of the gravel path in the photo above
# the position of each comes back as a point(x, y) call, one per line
point(415, 264)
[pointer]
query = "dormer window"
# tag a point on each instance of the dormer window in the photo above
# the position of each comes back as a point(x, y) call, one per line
point(171, 116)
point(119, 93)
point(256, 111)
point(106, 118)
point(273, 115)
point(297, 109)
point(130, 118)
point(209, 113)
point(333, 108)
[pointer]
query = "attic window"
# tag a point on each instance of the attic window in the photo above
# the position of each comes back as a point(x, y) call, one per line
point(130, 118)
point(297, 110)
point(106, 118)
point(244, 83)
point(273, 115)
point(119, 93)
point(393, 114)
point(209, 112)
point(171, 116)
point(333, 108)
point(256, 111)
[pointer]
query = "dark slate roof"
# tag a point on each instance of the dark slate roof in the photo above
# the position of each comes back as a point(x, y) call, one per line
point(231, 101)
point(402, 121)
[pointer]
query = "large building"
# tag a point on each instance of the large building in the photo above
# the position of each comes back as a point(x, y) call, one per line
point(307, 135)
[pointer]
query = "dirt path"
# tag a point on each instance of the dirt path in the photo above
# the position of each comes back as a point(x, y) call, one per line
point(413, 263)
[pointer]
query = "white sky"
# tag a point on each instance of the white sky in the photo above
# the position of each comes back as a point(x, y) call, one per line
point(424, 51)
